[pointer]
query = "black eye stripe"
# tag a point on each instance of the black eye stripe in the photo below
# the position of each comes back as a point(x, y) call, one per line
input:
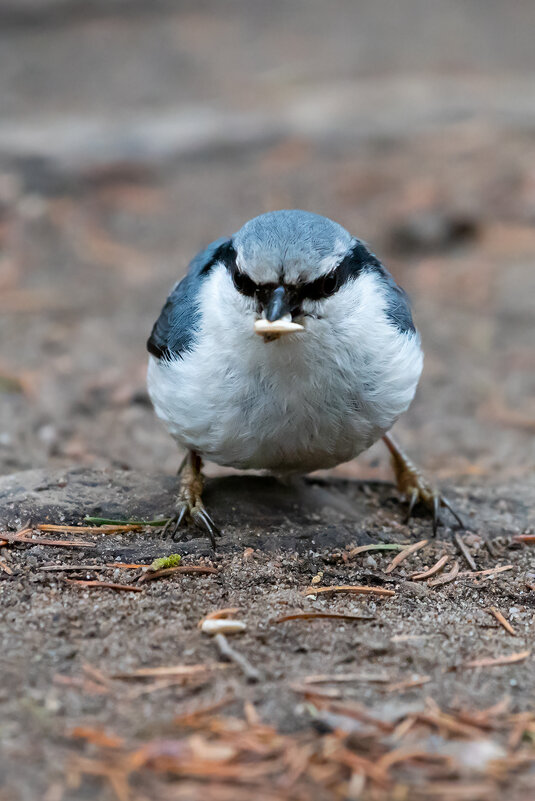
point(321, 288)
point(348, 269)
point(244, 284)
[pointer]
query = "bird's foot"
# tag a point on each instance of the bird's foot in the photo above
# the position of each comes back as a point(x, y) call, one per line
point(191, 510)
point(416, 488)
point(189, 506)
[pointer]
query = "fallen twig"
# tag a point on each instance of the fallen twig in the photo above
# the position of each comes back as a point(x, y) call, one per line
point(408, 637)
point(5, 567)
point(96, 675)
point(227, 652)
point(444, 721)
point(20, 536)
point(397, 560)
point(361, 765)
point(454, 791)
point(193, 717)
point(445, 578)
point(321, 616)
point(359, 712)
point(88, 529)
point(150, 687)
point(521, 722)
point(169, 571)
point(336, 678)
point(527, 538)
point(489, 572)
point(116, 776)
point(432, 570)
point(464, 550)
point(325, 693)
point(403, 728)
point(502, 621)
point(407, 684)
point(96, 737)
point(491, 661)
point(169, 671)
point(353, 589)
point(398, 755)
point(104, 585)
point(485, 718)
point(67, 568)
point(108, 566)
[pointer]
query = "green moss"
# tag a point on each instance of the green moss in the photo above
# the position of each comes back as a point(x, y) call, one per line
point(166, 561)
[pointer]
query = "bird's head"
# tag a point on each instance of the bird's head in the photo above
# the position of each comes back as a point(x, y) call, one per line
point(290, 276)
point(285, 267)
point(294, 275)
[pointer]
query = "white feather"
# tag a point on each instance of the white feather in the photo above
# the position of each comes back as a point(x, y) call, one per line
point(302, 402)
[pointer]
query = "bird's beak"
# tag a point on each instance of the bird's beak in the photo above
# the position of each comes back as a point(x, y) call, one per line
point(278, 317)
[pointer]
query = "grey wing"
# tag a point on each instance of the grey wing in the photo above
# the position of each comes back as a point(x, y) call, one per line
point(398, 308)
point(174, 331)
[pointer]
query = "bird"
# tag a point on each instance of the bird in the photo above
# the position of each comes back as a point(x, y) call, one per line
point(286, 348)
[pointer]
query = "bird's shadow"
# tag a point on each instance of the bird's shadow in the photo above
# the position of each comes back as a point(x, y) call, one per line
point(267, 501)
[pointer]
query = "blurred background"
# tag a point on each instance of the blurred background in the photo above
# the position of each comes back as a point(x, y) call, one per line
point(133, 133)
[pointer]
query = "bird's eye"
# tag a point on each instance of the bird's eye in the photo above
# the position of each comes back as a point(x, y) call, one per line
point(329, 284)
point(243, 283)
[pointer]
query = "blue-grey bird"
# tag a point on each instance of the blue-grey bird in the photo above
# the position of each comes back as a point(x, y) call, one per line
point(287, 347)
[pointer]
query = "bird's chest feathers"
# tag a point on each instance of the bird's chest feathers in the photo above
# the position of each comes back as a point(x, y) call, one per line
point(268, 404)
point(283, 381)
point(306, 401)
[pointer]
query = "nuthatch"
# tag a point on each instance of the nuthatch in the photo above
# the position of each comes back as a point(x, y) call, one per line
point(287, 347)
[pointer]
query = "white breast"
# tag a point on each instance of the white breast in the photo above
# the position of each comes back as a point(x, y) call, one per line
point(305, 401)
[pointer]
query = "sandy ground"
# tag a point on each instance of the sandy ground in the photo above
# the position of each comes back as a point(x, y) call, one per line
point(128, 140)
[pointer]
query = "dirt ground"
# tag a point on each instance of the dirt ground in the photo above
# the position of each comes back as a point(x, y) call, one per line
point(131, 137)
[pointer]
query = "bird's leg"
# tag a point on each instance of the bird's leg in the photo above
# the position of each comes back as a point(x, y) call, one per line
point(189, 505)
point(415, 487)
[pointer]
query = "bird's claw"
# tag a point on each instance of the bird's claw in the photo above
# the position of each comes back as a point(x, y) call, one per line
point(418, 490)
point(191, 510)
point(415, 487)
point(189, 506)
point(175, 521)
point(202, 520)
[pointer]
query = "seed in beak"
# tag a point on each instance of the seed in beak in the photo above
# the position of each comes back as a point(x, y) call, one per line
point(274, 329)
